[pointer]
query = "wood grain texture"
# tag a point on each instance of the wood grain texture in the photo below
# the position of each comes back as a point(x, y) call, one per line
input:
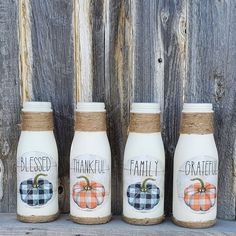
point(25, 50)
point(117, 90)
point(148, 51)
point(89, 56)
point(9, 101)
point(89, 46)
point(63, 226)
point(1, 178)
point(211, 78)
point(83, 45)
point(173, 25)
point(52, 75)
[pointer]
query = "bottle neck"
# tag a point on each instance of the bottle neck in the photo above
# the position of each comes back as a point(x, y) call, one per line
point(37, 121)
point(197, 118)
point(197, 108)
point(144, 122)
point(90, 121)
point(37, 116)
point(147, 108)
point(197, 123)
point(90, 107)
point(37, 107)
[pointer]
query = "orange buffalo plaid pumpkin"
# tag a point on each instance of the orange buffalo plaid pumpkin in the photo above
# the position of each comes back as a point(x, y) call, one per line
point(200, 196)
point(86, 194)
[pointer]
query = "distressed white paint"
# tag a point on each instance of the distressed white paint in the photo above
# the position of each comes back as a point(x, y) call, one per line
point(37, 154)
point(140, 149)
point(1, 179)
point(192, 151)
point(93, 147)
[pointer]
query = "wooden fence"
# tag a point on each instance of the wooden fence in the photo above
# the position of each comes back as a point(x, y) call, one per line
point(118, 51)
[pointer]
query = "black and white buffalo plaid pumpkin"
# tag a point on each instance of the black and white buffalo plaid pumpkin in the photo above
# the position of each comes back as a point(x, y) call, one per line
point(37, 191)
point(143, 196)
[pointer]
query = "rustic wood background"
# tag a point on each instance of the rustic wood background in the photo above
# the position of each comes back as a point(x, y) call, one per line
point(118, 51)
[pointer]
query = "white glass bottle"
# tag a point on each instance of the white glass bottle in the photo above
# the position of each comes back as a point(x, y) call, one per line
point(144, 167)
point(90, 166)
point(37, 165)
point(195, 169)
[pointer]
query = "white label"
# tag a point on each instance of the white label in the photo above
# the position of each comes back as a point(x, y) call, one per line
point(37, 179)
point(90, 182)
point(143, 184)
point(197, 184)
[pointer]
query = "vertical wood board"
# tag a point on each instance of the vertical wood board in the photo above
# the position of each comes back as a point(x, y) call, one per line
point(211, 78)
point(9, 102)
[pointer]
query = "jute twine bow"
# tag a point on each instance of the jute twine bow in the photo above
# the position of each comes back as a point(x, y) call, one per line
point(197, 123)
point(90, 121)
point(36, 121)
point(144, 123)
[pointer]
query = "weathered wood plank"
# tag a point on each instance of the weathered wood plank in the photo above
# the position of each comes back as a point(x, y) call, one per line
point(173, 25)
point(9, 102)
point(211, 78)
point(89, 57)
point(50, 26)
point(1, 179)
point(83, 44)
point(25, 50)
point(9, 226)
point(148, 51)
point(98, 48)
point(117, 89)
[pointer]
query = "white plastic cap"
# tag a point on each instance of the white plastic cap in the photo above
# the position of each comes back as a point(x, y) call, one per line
point(197, 107)
point(90, 107)
point(145, 108)
point(37, 107)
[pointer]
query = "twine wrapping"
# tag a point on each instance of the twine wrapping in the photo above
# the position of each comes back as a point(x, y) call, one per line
point(197, 123)
point(194, 225)
point(36, 121)
point(144, 221)
point(90, 121)
point(144, 123)
point(37, 219)
point(91, 220)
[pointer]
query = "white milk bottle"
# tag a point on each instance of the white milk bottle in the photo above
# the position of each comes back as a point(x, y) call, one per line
point(195, 169)
point(144, 167)
point(37, 165)
point(90, 166)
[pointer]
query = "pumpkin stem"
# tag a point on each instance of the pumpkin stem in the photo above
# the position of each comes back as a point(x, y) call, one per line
point(201, 182)
point(144, 184)
point(35, 185)
point(87, 187)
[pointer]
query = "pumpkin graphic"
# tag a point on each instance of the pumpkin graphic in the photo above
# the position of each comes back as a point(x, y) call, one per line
point(200, 196)
point(37, 191)
point(143, 196)
point(86, 194)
